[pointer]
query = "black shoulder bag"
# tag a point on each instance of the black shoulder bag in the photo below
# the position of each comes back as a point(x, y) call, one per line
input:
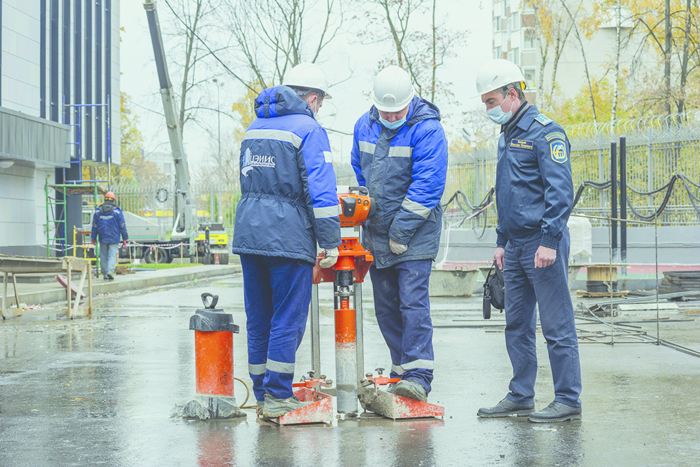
point(494, 291)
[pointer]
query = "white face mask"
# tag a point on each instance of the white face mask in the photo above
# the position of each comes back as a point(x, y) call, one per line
point(392, 125)
point(497, 115)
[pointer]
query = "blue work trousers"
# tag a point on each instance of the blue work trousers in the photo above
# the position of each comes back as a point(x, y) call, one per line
point(108, 257)
point(527, 286)
point(277, 294)
point(402, 307)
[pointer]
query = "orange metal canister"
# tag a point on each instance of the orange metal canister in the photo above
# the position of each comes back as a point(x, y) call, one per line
point(214, 362)
point(213, 348)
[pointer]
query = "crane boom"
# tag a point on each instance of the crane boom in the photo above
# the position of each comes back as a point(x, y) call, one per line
point(185, 211)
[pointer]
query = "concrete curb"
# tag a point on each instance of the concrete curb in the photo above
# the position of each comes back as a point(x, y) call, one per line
point(39, 294)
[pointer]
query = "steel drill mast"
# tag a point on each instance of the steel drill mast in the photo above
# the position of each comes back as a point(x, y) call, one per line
point(185, 212)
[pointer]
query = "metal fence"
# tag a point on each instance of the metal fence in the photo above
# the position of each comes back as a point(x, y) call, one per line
point(155, 201)
point(657, 148)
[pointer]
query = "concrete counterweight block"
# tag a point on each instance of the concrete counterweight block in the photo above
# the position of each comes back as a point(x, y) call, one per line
point(212, 408)
point(452, 282)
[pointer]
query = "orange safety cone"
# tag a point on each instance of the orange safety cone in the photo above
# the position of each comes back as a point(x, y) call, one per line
point(213, 343)
point(216, 259)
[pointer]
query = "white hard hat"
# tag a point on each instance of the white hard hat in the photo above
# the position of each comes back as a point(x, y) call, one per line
point(307, 75)
point(393, 90)
point(496, 74)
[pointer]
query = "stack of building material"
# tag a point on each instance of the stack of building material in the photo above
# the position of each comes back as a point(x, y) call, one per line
point(680, 281)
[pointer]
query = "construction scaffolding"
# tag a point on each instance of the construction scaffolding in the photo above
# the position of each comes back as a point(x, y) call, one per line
point(58, 232)
point(56, 210)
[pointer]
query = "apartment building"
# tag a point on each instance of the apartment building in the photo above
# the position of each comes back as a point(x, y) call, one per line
point(515, 38)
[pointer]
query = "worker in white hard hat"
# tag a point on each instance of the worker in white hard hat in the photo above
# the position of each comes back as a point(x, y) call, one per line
point(309, 82)
point(289, 203)
point(534, 194)
point(400, 154)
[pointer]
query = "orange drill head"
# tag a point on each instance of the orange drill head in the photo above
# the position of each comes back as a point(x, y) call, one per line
point(356, 206)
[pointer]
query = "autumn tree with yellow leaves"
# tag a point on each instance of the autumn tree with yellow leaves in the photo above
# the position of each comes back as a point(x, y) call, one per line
point(665, 34)
point(671, 29)
point(133, 168)
point(552, 28)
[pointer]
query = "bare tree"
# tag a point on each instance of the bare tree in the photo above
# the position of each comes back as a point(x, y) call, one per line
point(552, 27)
point(685, 55)
point(562, 30)
point(420, 52)
point(585, 62)
point(619, 45)
point(478, 129)
point(194, 29)
point(275, 35)
point(659, 24)
point(668, 39)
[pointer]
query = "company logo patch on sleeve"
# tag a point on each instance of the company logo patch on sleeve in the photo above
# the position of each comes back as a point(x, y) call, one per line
point(555, 135)
point(327, 156)
point(521, 144)
point(544, 120)
point(558, 150)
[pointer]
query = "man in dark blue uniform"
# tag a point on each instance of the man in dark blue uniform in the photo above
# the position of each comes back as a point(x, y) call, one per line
point(288, 203)
point(400, 153)
point(534, 195)
point(108, 224)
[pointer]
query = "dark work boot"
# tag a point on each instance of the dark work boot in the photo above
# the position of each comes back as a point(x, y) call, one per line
point(556, 412)
point(273, 407)
point(506, 408)
point(411, 389)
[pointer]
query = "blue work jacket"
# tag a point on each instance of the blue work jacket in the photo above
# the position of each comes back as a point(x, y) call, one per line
point(289, 199)
point(108, 222)
point(405, 171)
point(534, 188)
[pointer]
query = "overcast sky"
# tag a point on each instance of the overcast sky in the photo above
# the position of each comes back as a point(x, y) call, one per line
point(344, 57)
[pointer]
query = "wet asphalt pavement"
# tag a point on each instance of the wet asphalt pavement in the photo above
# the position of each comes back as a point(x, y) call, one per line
point(105, 391)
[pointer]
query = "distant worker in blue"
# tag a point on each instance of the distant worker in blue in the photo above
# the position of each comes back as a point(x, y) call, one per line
point(108, 225)
point(289, 202)
point(400, 154)
point(534, 196)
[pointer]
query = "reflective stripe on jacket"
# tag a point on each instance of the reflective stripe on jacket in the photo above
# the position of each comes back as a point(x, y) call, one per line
point(405, 171)
point(289, 199)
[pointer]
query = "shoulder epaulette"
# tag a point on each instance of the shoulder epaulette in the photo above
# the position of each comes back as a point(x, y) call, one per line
point(543, 119)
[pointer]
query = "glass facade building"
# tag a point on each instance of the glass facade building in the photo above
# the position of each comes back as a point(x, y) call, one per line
point(59, 71)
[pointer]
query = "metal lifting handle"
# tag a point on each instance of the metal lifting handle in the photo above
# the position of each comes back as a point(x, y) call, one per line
point(363, 190)
point(205, 300)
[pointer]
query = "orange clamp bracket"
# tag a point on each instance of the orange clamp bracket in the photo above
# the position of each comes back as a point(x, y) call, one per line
point(383, 380)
